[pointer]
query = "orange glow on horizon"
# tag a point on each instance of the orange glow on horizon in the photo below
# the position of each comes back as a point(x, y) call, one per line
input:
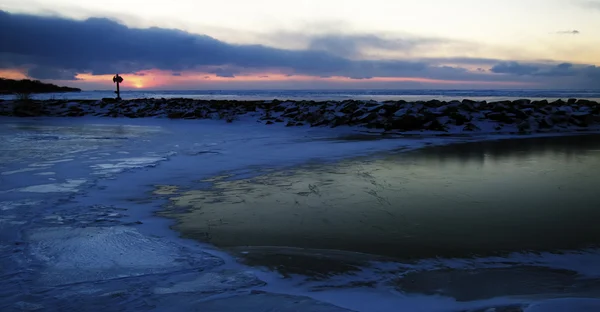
point(152, 79)
point(16, 74)
point(158, 78)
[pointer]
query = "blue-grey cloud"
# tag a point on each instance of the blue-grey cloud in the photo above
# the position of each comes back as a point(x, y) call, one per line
point(352, 46)
point(58, 48)
point(568, 32)
point(514, 68)
point(586, 74)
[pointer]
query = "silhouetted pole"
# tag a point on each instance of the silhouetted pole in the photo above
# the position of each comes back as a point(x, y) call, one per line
point(118, 79)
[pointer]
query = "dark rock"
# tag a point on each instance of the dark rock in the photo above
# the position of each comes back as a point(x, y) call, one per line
point(583, 102)
point(558, 102)
point(471, 127)
point(540, 103)
point(349, 107)
point(459, 118)
point(368, 118)
point(28, 109)
point(546, 123)
point(269, 123)
point(109, 100)
point(435, 125)
point(339, 121)
point(571, 101)
point(434, 103)
point(469, 106)
point(290, 124)
point(524, 126)
point(582, 120)
point(278, 109)
point(520, 113)
point(407, 123)
point(521, 102)
point(175, 115)
point(501, 117)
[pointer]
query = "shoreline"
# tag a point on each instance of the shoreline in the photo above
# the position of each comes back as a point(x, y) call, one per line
point(397, 117)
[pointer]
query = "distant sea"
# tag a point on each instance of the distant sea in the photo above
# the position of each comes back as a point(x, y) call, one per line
point(322, 95)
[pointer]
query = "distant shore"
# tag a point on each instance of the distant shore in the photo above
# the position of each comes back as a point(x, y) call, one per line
point(26, 86)
point(437, 117)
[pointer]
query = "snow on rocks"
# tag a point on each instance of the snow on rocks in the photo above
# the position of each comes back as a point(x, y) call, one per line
point(523, 115)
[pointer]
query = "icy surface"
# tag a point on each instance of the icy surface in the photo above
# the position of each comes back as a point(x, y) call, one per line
point(566, 305)
point(89, 239)
point(72, 255)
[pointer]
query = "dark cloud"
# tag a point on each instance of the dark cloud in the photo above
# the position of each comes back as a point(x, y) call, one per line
point(568, 32)
point(102, 46)
point(57, 48)
point(42, 72)
point(176, 74)
point(514, 68)
point(588, 75)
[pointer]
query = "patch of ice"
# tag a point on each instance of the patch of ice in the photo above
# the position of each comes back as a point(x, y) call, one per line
point(566, 305)
point(74, 255)
point(126, 163)
point(9, 205)
point(19, 171)
point(266, 302)
point(214, 282)
point(49, 163)
point(46, 173)
point(68, 186)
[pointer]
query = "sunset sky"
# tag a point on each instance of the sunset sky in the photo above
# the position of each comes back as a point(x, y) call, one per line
point(303, 44)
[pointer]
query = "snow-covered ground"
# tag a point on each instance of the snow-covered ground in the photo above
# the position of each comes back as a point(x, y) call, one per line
point(78, 230)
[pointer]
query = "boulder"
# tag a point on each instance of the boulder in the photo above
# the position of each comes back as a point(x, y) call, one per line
point(175, 115)
point(367, 118)
point(540, 103)
point(109, 100)
point(546, 122)
point(407, 123)
point(471, 127)
point(524, 126)
point(582, 119)
point(459, 118)
point(501, 117)
point(521, 102)
point(434, 125)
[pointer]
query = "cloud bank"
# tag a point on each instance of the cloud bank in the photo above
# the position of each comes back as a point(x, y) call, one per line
point(58, 48)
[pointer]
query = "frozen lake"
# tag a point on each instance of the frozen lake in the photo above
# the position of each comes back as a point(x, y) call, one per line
point(341, 221)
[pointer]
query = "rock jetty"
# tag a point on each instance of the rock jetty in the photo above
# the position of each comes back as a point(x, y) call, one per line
point(519, 116)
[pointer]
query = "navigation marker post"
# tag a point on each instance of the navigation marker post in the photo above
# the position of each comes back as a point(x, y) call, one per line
point(118, 79)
